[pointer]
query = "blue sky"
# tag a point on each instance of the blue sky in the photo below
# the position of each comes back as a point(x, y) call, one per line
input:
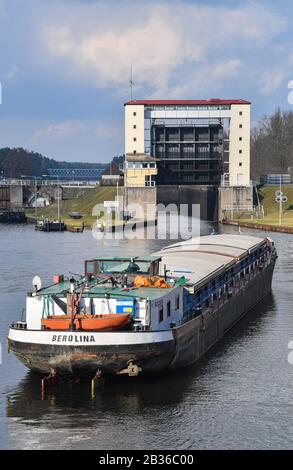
point(65, 65)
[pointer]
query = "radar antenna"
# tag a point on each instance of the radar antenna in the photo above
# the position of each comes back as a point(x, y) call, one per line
point(131, 83)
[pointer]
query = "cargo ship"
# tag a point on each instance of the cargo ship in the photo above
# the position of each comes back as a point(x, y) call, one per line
point(146, 314)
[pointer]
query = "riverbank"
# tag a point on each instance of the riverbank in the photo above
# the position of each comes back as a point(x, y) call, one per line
point(260, 226)
point(83, 204)
point(270, 219)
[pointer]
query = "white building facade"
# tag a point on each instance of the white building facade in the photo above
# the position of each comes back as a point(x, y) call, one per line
point(195, 141)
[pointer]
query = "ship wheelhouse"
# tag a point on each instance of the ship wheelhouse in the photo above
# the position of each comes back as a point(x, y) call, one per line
point(122, 265)
point(129, 286)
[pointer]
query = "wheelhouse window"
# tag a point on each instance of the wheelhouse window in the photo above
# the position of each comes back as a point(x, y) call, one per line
point(161, 314)
point(168, 308)
point(177, 302)
point(121, 265)
point(90, 268)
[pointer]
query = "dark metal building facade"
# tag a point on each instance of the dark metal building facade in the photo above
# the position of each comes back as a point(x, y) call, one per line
point(188, 153)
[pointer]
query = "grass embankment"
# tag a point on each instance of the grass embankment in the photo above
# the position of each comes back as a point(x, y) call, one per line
point(84, 205)
point(271, 207)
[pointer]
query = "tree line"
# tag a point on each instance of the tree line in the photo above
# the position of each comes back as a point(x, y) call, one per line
point(272, 144)
point(16, 162)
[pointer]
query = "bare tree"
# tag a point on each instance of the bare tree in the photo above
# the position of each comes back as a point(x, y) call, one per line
point(272, 144)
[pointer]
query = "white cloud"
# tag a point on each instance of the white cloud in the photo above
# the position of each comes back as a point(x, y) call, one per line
point(11, 73)
point(66, 129)
point(59, 129)
point(252, 21)
point(271, 81)
point(209, 76)
point(109, 132)
point(158, 39)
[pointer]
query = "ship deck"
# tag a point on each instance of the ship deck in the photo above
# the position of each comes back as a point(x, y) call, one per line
point(200, 258)
point(93, 290)
point(194, 261)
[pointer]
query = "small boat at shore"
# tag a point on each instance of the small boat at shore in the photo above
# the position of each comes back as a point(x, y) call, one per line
point(47, 225)
point(145, 314)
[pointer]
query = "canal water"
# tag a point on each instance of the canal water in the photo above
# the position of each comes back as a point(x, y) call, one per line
point(238, 397)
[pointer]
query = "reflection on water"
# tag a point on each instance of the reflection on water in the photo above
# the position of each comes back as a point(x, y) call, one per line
point(238, 396)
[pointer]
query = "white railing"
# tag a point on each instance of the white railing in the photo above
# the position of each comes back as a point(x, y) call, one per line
point(42, 182)
point(239, 207)
point(147, 184)
point(225, 182)
point(231, 211)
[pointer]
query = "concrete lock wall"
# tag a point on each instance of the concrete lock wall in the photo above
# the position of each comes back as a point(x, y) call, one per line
point(16, 196)
point(206, 196)
point(145, 197)
point(233, 199)
point(49, 193)
point(4, 197)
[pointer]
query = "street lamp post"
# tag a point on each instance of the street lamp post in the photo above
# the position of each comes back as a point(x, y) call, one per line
point(281, 199)
point(36, 198)
point(281, 202)
point(58, 198)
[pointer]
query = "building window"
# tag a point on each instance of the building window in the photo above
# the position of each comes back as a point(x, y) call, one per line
point(177, 302)
point(168, 308)
point(240, 163)
point(240, 138)
point(240, 113)
point(134, 126)
point(240, 126)
point(134, 113)
point(134, 139)
point(161, 314)
point(240, 151)
point(134, 151)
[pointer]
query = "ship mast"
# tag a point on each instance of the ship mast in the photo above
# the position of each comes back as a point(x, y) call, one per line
point(131, 83)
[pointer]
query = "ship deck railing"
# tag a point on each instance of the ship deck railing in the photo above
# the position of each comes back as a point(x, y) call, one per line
point(239, 283)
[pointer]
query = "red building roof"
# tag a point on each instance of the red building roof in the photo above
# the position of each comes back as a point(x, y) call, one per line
point(213, 101)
